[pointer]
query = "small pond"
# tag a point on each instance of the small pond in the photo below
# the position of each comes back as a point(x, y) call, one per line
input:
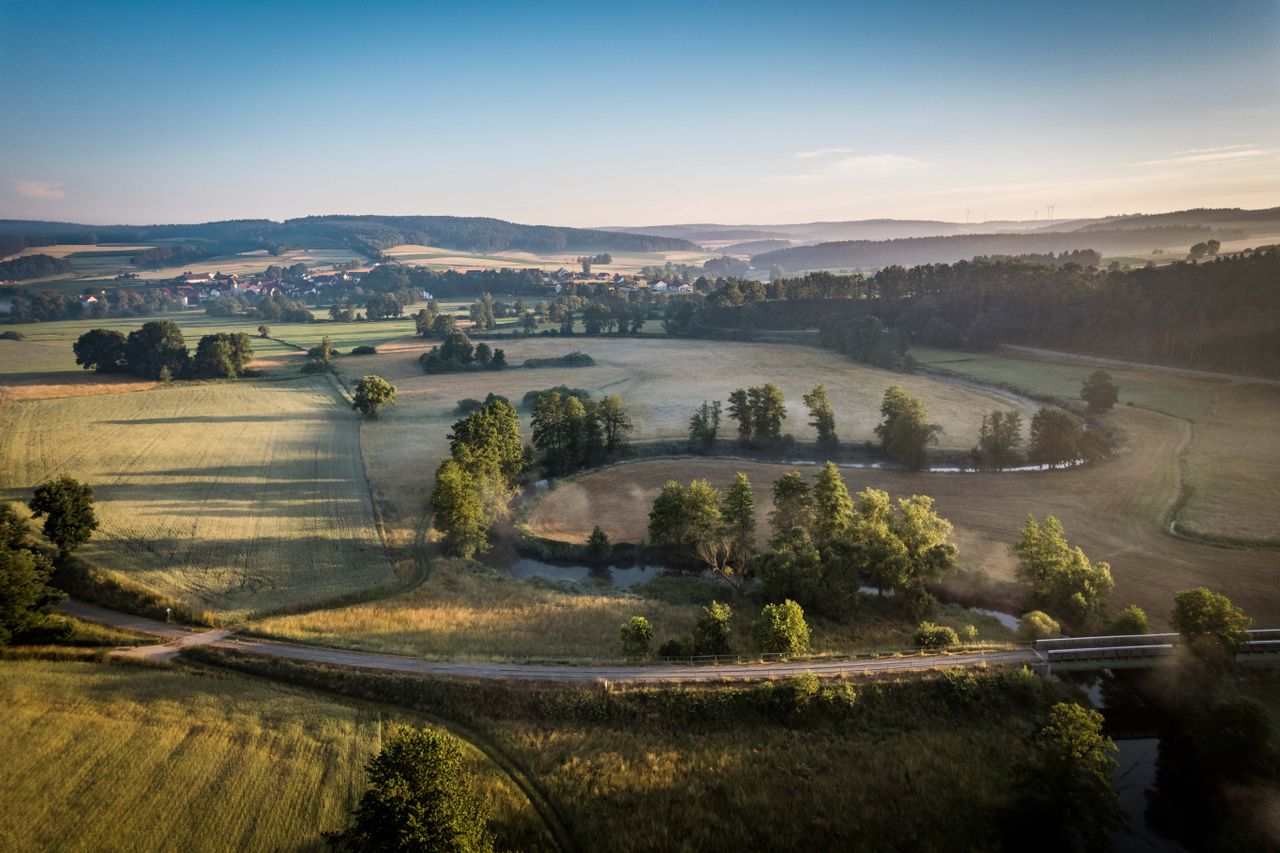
point(623, 577)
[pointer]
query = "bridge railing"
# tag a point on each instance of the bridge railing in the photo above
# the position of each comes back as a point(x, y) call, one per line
point(1132, 640)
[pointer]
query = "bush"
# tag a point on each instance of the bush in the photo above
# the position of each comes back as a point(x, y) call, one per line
point(598, 546)
point(573, 359)
point(713, 633)
point(315, 366)
point(467, 405)
point(637, 634)
point(676, 647)
point(1131, 620)
point(364, 350)
point(781, 629)
point(1037, 625)
point(931, 636)
point(12, 336)
point(531, 398)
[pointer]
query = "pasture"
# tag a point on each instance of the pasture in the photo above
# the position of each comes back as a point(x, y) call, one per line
point(1233, 456)
point(237, 497)
point(1114, 510)
point(433, 257)
point(130, 758)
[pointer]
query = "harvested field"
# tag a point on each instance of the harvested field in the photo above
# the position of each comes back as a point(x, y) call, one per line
point(1114, 511)
point(236, 497)
point(129, 758)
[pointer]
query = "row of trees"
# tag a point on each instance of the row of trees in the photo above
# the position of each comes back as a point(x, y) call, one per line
point(826, 544)
point(457, 353)
point(158, 350)
point(571, 431)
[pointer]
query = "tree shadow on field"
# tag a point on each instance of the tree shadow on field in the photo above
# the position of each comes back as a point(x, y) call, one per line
point(220, 419)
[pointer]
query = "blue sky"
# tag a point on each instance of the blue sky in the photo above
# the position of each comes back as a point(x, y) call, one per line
point(595, 114)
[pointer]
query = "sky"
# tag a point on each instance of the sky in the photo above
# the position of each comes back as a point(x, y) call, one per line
point(596, 114)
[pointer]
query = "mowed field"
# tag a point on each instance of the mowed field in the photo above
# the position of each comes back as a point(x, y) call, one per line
point(1232, 461)
point(661, 381)
point(1114, 511)
point(116, 758)
point(434, 257)
point(237, 497)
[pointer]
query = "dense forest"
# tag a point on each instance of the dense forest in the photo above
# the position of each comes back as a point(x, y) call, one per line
point(872, 254)
point(368, 235)
point(33, 266)
point(1216, 315)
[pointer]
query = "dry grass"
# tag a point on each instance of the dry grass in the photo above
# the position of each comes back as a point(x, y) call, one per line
point(1114, 511)
point(662, 382)
point(468, 611)
point(233, 496)
point(124, 758)
point(757, 788)
point(1233, 461)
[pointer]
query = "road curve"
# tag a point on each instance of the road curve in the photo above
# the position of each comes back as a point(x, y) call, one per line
point(179, 638)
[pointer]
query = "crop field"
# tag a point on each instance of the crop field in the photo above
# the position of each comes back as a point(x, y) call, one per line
point(237, 497)
point(1115, 511)
point(128, 758)
point(1232, 461)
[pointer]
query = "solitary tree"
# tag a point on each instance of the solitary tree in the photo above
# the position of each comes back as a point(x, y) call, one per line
point(1100, 391)
point(418, 798)
point(637, 634)
point(904, 431)
point(1055, 437)
point(67, 508)
point(1131, 620)
point(781, 629)
point(1209, 622)
point(1064, 791)
point(372, 393)
point(102, 350)
point(822, 419)
point(713, 633)
point(264, 331)
point(598, 546)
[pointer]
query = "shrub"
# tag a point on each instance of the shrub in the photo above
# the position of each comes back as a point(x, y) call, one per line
point(598, 547)
point(364, 350)
point(531, 398)
point(931, 636)
point(637, 634)
point(12, 336)
point(1037, 625)
point(467, 405)
point(712, 633)
point(781, 629)
point(676, 647)
point(315, 365)
point(1131, 620)
point(573, 359)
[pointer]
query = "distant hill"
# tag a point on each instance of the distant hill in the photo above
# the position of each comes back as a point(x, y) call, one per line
point(873, 254)
point(755, 247)
point(368, 235)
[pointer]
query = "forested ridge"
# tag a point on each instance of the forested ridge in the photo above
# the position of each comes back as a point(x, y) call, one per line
point(1214, 315)
point(369, 235)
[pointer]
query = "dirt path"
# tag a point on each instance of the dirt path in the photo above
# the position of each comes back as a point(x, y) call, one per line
point(1142, 365)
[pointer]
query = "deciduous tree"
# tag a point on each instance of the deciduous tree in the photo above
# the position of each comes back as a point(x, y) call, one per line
point(67, 508)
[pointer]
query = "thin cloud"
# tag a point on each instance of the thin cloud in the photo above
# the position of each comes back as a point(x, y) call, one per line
point(41, 190)
point(1221, 154)
point(821, 152)
point(857, 166)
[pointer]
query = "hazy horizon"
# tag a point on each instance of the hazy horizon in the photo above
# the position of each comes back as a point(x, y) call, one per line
point(576, 115)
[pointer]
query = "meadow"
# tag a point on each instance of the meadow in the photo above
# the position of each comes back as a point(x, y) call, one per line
point(129, 758)
point(1115, 511)
point(1232, 460)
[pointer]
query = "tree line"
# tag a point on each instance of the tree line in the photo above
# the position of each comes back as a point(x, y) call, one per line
point(158, 350)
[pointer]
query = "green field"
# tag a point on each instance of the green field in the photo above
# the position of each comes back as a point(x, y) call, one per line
point(99, 758)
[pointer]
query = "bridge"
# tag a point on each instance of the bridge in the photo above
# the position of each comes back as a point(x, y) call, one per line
point(1135, 651)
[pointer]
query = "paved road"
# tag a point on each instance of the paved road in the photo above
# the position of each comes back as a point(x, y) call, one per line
point(1142, 365)
point(179, 638)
